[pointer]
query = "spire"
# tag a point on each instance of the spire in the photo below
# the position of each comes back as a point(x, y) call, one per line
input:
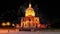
point(29, 5)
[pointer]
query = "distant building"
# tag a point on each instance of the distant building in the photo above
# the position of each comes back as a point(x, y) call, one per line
point(30, 20)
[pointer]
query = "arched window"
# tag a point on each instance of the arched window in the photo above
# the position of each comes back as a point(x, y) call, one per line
point(29, 19)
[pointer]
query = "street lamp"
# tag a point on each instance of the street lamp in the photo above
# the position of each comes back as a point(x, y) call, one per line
point(8, 23)
point(13, 25)
point(3, 24)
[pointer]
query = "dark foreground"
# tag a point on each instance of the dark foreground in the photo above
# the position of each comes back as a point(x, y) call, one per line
point(32, 33)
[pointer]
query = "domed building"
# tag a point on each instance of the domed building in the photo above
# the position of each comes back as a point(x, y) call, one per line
point(30, 20)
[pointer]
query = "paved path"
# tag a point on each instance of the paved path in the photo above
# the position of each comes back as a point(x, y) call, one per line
point(14, 31)
point(32, 33)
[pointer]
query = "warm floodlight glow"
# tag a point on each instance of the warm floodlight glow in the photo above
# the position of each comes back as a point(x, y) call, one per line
point(30, 20)
point(3, 24)
point(29, 11)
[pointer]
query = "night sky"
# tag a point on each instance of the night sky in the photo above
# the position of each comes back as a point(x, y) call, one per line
point(10, 10)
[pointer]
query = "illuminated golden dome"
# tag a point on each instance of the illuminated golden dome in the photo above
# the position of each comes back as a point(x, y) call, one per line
point(29, 11)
